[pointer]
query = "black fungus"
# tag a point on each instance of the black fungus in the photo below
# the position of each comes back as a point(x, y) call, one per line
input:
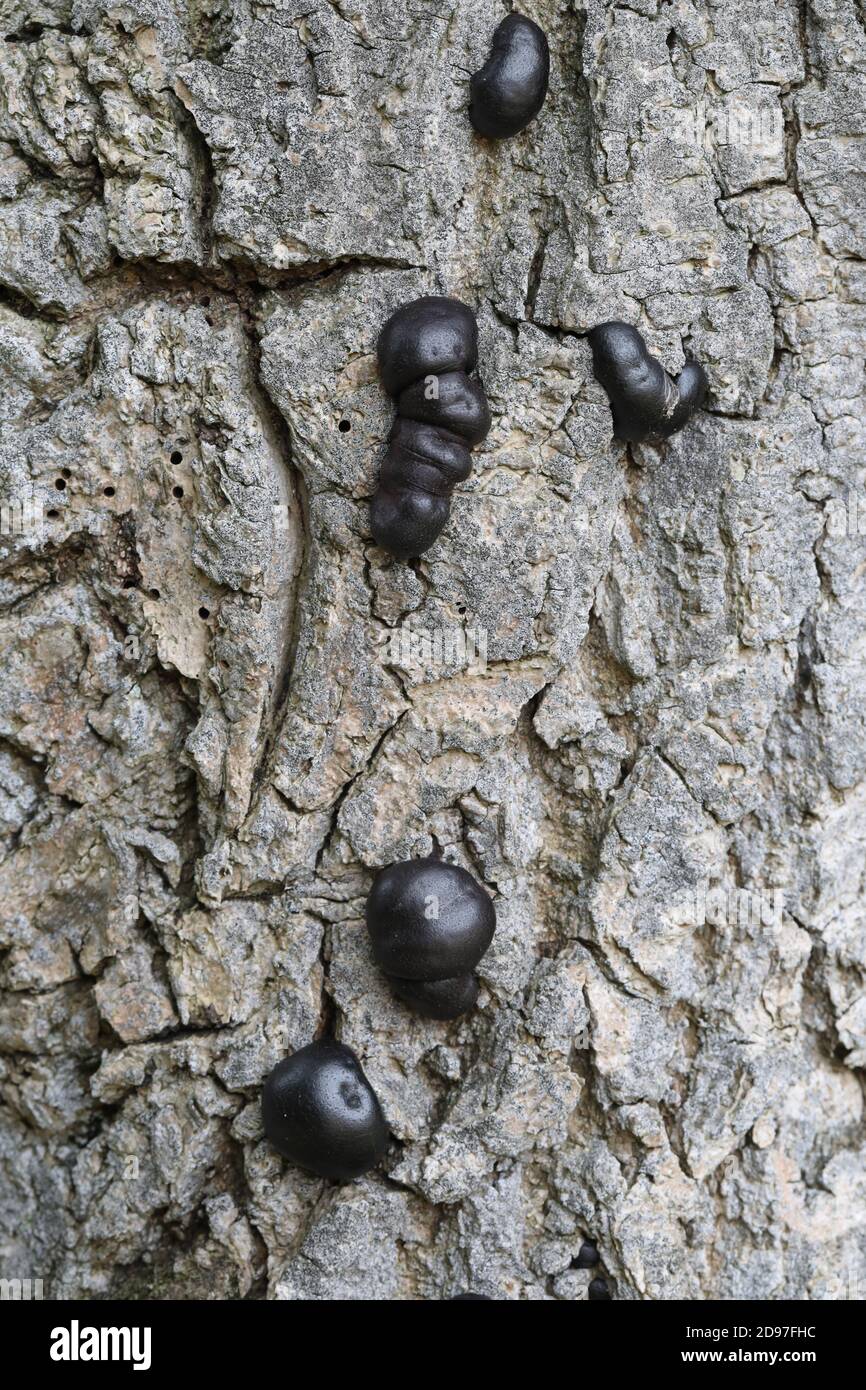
point(509, 91)
point(646, 402)
point(320, 1111)
point(587, 1256)
point(432, 334)
point(430, 923)
point(438, 998)
point(427, 352)
point(599, 1291)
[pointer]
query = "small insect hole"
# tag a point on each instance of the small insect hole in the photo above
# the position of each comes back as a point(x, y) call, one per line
point(204, 612)
point(176, 456)
point(344, 426)
point(177, 491)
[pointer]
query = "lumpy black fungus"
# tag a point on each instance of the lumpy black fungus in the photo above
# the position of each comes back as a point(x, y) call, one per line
point(599, 1291)
point(320, 1111)
point(587, 1256)
point(438, 998)
point(509, 91)
point(430, 923)
point(427, 352)
point(432, 334)
point(459, 406)
point(645, 401)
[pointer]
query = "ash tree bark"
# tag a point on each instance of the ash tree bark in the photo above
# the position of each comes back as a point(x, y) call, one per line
point(625, 688)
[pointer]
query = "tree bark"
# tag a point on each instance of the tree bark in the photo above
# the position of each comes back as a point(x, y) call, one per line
point(625, 688)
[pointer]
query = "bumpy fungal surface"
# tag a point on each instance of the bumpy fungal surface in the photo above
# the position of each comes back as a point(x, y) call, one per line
point(320, 1111)
point(426, 351)
point(509, 90)
point(438, 998)
point(430, 923)
point(646, 402)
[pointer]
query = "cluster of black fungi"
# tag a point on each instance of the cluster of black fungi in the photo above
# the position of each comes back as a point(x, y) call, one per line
point(429, 921)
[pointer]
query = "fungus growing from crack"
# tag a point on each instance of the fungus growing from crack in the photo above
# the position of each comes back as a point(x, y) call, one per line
point(645, 401)
point(320, 1111)
point(427, 351)
point(430, 923)
point(509, 90)
point(599, 1291)
point(587, 1256)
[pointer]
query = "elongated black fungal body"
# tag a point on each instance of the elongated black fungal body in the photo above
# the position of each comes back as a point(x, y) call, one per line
point(646, 402)
point(430, 923)
point(509, 91)
point(427, 351)
point(320, 1111)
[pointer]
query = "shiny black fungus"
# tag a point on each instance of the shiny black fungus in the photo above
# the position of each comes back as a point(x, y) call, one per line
point(458, 405)
point(320, 1111)
point(438, 998)
point(427, 351)
point(509, 91)
point(587, 1256)
point(430, 923)
point(645, 401)
point(428, 920)
point(599, 1291)
point(424, 337)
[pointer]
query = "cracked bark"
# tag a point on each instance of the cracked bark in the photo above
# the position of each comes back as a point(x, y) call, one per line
point(207, 745)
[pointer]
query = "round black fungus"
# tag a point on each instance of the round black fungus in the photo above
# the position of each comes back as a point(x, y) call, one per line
point(598, 1291)
point(428, 920)
point(509, 91)
point(427, 350)
point(320, 1111)
point(424, 337)
point(587, 1256)
point(438, 998)
point(645, 401)
point(430, 923)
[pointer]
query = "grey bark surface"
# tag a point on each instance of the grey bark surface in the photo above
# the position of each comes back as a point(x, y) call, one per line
point(208, 738)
